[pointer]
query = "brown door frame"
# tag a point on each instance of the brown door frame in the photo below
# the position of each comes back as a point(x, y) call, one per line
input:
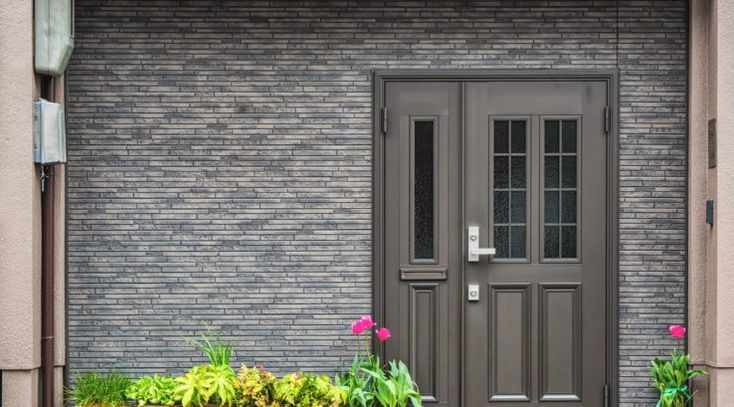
point(610, 77)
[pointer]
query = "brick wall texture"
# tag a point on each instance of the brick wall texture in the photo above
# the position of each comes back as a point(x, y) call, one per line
point(220, 166)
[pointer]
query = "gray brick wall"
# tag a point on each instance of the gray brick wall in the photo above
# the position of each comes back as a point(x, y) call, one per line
point(220, 165)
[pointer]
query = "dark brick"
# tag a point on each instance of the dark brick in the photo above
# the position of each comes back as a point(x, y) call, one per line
point(220, 166)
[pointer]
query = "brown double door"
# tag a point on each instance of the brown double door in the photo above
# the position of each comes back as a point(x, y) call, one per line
point(518, 166)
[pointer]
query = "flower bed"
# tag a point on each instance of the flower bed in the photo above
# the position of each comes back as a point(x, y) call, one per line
point(367, 383)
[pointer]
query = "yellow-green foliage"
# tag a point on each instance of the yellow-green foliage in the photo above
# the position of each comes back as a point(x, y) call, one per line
point(254, 387)
point(307, 390)
point(207, 384)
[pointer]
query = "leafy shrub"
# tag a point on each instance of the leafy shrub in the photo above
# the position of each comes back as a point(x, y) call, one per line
point(307, 390)
point(153, 390)
point(98, 390)
point(254, 387)
point(218, 351)
point(207, 384)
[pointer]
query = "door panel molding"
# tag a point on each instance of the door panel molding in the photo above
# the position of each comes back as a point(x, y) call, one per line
point(573, 291)
point(465, 78)
point(501, 314)
point(424, 354)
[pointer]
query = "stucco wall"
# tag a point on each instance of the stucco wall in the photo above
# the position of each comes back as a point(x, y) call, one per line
point(20, 217)
point(20, 242)
point(220, 166)
point(711, 261)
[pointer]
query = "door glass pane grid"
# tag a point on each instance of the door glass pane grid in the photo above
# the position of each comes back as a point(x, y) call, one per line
point(560, 196)
point(509, 188)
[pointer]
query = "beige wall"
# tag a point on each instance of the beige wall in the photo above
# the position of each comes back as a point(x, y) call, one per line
point(19, 219)
point(20, 216)
point(711, 254)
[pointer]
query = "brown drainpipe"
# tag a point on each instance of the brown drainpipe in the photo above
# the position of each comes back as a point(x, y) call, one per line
point(47, 269)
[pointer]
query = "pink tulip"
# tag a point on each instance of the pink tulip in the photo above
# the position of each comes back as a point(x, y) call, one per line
point(357, 327)
point(677, 331)
point(383, 334)
point(367, 321)
point(363, 324)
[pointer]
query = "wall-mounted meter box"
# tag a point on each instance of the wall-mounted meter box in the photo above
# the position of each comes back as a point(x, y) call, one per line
point(49, 133)
point(54, 35)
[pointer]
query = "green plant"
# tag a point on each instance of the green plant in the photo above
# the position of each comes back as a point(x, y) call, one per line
point(671, 377)
point(307, 390)
point(207, 383)
point(218, 351)
point(254, 387)
point(357, 383)
point(98, 390)
point(153, 390)
point(396, 388)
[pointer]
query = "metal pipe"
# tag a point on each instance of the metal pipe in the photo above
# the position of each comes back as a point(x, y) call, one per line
point(47, 273)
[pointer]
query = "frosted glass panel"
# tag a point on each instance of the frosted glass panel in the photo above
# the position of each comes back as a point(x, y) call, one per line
point(509, 164)
point(560, 182)
point(423, 187)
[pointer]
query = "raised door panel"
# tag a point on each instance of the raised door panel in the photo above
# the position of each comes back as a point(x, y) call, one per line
point(509, 355)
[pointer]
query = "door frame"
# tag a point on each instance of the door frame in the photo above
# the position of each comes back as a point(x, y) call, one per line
point(611, 78)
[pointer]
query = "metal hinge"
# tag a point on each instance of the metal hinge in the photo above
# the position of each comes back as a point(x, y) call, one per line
point(607, 119)
point(606, 395)
point(383, 120)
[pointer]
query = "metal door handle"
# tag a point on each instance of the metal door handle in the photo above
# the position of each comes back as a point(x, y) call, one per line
point(473, 246)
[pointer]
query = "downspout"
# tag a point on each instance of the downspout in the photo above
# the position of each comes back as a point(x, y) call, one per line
point(47, 268)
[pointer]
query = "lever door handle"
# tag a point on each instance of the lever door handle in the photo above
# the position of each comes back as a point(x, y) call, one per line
point(474, 251)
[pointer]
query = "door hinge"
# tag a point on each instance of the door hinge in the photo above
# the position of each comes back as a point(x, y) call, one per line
point(607, 119)
point(606, 395)
point(383, 120)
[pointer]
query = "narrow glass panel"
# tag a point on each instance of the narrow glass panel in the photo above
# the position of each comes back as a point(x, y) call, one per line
point(517, 179)
point(510, 188)
point(518, 207)
point(568, 207)
point(518, 136)
point(569, 136)
point(560, 178)
point(501, 241)
point(551, 243)
point(423, 199)
point(501, 207)
point(517, 247)
point(551, 207)
point(551, 136)
point(569, 171)
point(501, 136)
point(568, 241)
point(551, 172)
point(501, 172)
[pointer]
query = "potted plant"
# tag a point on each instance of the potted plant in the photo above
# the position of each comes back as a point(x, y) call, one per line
point(98, 390)
point(670, 377)
point(153, 391)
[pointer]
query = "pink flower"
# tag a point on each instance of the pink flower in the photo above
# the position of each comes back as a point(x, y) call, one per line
point(383, 334)
point(677, 331)
point(363, 324)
